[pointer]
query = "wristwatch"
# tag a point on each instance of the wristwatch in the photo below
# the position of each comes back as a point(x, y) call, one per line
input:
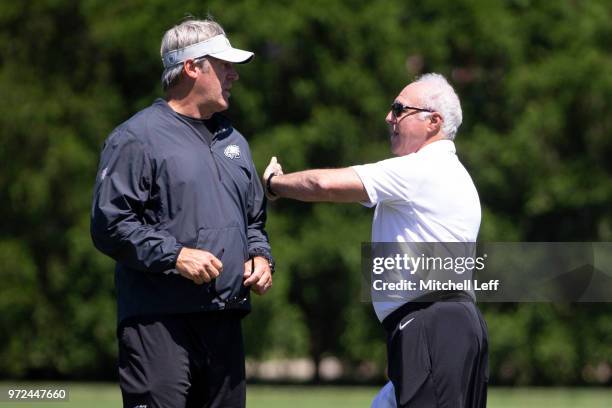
point(269, 185)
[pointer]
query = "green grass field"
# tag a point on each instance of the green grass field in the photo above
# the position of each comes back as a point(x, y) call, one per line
point(107, 395)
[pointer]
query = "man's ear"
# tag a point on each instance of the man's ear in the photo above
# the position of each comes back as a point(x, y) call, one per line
point(435, 122)
point(190, 68)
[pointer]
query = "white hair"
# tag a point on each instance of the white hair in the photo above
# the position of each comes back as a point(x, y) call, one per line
point(187, 33)
point(440, 96)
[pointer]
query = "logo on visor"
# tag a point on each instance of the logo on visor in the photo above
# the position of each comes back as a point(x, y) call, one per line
point(232, 152)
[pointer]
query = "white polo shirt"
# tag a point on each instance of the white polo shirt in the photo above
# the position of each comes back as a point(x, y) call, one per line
point(427, 196)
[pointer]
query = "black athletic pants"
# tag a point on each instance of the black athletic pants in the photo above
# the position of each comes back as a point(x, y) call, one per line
point(189, 360)
point(438, 354)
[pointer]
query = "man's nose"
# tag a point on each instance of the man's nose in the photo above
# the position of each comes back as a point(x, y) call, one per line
point(390, 119)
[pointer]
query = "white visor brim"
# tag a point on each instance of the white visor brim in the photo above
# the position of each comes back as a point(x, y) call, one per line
point(234, 55)
point(217, 47)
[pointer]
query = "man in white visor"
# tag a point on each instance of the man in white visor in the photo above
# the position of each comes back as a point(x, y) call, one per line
point(180, 208)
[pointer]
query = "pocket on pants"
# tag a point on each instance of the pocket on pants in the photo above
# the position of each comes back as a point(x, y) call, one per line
point(410, 363)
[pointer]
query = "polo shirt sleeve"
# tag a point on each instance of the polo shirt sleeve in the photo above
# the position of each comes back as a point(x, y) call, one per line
point(389, 180)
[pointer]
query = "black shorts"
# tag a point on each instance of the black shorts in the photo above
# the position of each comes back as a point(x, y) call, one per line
point(438, 354)
point(190, 360)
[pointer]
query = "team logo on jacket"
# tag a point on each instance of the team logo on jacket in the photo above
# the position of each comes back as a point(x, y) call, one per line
point(232, 152)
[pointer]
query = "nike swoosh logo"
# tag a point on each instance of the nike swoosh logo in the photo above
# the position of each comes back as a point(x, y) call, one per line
point(402, 325)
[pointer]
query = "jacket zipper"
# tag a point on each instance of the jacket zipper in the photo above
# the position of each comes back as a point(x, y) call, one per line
point(212, 155)
point(210, 148)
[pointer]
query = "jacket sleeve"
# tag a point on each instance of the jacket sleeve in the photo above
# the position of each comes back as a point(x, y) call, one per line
point(121, 193)
point(256, 219)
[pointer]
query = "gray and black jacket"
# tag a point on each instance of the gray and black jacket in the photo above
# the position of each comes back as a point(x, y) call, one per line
point(160, 186)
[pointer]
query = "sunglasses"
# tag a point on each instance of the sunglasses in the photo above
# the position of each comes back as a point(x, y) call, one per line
point(397, 108)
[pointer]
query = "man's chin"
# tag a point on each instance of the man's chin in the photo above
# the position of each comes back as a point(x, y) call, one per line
point(223, 105)
point(399, 150)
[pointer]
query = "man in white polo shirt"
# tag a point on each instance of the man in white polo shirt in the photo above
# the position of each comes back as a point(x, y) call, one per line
point(437, 350)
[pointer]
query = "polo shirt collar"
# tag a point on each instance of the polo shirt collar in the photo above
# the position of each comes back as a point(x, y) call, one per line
point(441, 146)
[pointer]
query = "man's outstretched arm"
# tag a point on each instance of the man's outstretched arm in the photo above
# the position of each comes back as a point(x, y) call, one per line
point(334, 185)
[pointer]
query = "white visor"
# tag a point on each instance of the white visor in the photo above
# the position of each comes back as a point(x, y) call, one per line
point(217, 46)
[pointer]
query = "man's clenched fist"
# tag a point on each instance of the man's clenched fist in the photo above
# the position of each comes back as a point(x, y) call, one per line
point(198, 266)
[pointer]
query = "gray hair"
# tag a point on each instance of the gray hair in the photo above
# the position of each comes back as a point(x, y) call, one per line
point(440, 96)
point(187, 33)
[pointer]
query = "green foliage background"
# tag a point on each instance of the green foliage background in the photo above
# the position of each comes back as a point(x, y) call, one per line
point(534, 79)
